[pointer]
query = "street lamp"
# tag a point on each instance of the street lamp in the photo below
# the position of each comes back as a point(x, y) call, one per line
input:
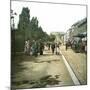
point(12, 18)
point(12, 32)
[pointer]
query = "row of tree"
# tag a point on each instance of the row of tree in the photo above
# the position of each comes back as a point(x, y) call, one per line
point(28, 29)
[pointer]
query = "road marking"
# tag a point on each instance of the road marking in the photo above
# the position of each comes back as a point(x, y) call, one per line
point(73, 76)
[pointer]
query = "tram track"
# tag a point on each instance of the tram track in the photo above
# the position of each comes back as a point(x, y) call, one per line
point(70, 70)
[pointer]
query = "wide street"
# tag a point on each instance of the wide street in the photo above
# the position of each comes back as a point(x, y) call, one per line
point(49, 70)
point(78, 63)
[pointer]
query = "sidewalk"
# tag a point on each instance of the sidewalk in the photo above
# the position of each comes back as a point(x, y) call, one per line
point(78, 63)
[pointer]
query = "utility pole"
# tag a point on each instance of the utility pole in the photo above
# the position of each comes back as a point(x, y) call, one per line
point(12, 32)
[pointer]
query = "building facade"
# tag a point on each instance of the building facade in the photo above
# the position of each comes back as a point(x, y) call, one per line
point(79, 27)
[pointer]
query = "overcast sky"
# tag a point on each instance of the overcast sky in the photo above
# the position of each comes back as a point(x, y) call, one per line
point(51, 17)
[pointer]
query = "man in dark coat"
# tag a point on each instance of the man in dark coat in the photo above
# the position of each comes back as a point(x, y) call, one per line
point(41, 48)
point(53, 47)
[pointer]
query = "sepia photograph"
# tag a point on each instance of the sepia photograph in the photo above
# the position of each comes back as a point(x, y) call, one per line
point(48, 44)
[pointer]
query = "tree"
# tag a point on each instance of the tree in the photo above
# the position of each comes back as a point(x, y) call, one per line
point(24, 22)
point(52, 37)
point(37, 30)
point(24, 19)
point(28, 29)
point(22, 33)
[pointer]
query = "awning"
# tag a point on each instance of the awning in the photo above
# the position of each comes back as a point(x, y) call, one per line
point(81, 35)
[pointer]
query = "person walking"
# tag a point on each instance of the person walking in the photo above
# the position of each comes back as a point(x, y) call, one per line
point(85, 47)
point(66, 45)
point(26, 47)
point(53, 47)
point(57, 48)
point(41, 48)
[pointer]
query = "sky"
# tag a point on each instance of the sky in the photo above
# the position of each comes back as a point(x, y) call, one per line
point(51, 17)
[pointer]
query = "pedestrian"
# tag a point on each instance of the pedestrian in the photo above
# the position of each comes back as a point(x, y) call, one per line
point(30, 50)
point(66, 45)
point(80, 45)
point(53, 47)
point(85, 47)
point(34, 48)
point(26, 47)
point(57, 48)
point(41, 47)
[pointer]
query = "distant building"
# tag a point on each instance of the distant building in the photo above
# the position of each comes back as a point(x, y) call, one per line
point(59, 36)
point(79, 27)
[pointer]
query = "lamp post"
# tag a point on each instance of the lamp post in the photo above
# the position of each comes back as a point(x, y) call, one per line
point(12, 18)
point(12, 32)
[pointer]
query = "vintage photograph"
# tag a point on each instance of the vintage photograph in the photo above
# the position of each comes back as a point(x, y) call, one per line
point(48, 44)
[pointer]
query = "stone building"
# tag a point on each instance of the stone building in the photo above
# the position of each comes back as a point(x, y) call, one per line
point(77, 28)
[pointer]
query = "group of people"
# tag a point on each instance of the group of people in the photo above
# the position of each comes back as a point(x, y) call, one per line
point(54, 47)
point(79, 45)
point(34, 47)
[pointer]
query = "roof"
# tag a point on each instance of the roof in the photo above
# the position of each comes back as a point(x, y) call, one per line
point(79, 23)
